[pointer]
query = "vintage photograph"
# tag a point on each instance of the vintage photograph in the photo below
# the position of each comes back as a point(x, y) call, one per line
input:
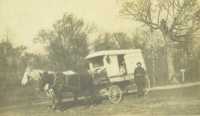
point(99, 57)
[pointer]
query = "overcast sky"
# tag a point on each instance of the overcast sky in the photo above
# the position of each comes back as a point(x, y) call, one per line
point(22, 19)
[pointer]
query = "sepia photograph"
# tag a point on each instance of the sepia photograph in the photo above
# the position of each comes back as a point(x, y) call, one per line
point(99, 57)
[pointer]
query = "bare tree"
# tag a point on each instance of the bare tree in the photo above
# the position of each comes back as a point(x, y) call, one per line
point(116, 40)
point(177, 20)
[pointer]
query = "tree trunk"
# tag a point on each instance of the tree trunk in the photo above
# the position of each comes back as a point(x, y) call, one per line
point(170, 58)
point(171, 69)
point(154, 68)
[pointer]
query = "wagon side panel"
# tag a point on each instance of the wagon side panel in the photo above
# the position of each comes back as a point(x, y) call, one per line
point(131, 60)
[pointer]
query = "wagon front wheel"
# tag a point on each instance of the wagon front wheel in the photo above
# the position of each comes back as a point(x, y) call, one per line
point(115, 94)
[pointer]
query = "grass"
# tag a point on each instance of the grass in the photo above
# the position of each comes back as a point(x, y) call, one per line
point(182, 101)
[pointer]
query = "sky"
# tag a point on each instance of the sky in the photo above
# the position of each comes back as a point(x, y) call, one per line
point(22, 19)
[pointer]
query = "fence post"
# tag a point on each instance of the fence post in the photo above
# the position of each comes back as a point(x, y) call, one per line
point(182, 75)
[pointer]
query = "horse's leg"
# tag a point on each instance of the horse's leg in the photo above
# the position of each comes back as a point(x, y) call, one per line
point(94, 98)
point(57, 102)
point(90, 98)
point(53, 103)
point(50, 103)
point(75, 96)
point(51, 100)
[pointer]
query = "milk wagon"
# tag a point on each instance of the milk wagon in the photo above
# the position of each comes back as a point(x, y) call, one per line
point(112, 71)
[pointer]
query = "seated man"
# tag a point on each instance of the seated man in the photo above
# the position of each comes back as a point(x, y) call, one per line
point(122, 69)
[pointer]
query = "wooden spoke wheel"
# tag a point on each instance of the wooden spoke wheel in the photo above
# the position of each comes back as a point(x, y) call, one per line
point(115, 94)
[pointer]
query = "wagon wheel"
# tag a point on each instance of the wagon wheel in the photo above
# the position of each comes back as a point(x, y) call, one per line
point(115, 94)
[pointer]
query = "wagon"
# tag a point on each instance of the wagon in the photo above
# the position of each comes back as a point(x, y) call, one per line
point(112, 71)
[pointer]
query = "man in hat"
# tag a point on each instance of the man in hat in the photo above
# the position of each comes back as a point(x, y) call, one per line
point(139, 75)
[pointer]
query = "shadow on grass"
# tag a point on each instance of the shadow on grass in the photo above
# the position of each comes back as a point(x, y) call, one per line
point(85, 103)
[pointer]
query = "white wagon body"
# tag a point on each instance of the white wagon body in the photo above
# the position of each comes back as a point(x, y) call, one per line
point(112, 71)
point(112, 64)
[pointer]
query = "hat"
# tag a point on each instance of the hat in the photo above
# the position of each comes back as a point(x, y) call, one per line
point(138, 63)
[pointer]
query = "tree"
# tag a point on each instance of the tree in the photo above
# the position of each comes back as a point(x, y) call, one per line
point(104, 42)
point(66, 43)
point(111, 41)
point(177, 20)
point(10, 64)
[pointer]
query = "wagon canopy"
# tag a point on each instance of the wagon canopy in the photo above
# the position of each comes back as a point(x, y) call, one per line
point(115, 62)
point(112, 52)
point(69, 73)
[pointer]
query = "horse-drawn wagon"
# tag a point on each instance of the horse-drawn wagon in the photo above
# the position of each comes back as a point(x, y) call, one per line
point(110, 75)
point(112, 71)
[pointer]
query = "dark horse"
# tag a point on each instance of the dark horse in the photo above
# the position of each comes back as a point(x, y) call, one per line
point(55, 84)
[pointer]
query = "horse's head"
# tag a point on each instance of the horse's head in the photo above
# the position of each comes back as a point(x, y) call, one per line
point(43, 81)
point(26, 79)
point(31, 75)
point(46, 80)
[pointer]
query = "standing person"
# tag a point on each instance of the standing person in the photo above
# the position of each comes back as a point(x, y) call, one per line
point(140, 81)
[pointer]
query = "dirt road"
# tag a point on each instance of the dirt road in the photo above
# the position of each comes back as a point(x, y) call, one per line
point(182, 101)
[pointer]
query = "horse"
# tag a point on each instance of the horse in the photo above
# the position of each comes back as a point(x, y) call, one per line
point(55, 83)
point(31, 75)
point(45, 81)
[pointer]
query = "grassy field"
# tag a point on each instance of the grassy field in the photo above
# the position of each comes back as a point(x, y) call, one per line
point(184, 101)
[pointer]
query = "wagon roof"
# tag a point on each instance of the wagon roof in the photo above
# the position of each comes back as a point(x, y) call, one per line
point(112, 52)
point(69, 73)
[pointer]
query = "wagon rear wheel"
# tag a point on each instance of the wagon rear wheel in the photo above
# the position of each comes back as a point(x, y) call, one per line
point(115, 94)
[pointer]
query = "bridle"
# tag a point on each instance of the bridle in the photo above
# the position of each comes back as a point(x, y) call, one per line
point(47, 86)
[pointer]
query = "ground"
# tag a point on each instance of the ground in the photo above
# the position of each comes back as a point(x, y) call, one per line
point(182, 101)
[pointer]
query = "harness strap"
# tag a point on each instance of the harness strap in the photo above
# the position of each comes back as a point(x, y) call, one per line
point(54, 81)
